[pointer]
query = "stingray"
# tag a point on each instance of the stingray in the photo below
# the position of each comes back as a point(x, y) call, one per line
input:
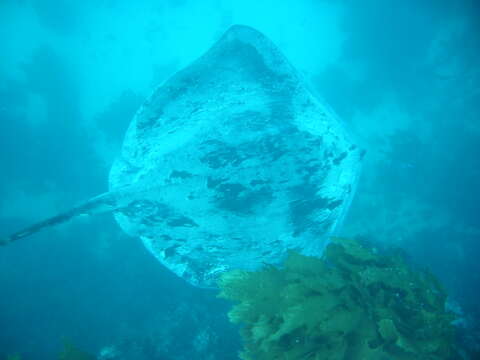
point(229, 164)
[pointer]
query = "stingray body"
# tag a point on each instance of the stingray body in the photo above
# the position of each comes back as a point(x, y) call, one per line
point(229, 164)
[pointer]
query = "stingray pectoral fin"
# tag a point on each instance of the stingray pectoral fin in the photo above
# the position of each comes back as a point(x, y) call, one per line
point(105, 202)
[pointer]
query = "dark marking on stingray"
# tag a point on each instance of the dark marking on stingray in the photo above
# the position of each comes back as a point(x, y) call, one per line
point(213, 183)
point(301, 211)
point(180, 174)
point(339, 158)
point(362, 154)
point(182, 221)
point(171, 251)
point(332, 204)
point(222, 155)
point(258, 182)
point(273, 146)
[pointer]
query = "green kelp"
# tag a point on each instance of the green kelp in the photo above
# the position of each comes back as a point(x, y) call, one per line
point(14, 357)
point(352, 304)
point(72, 352)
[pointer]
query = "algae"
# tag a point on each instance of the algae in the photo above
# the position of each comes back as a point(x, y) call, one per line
point(14, 357)
point(351, 304)
point(72, 352)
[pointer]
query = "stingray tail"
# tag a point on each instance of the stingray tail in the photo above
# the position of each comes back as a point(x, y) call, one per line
point(105, 202)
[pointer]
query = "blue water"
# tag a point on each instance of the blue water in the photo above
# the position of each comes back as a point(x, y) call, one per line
point(403, 76)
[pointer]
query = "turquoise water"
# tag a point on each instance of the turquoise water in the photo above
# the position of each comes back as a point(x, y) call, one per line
point(402, 76)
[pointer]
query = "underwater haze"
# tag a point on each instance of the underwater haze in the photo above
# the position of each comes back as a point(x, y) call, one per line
point(402, 76)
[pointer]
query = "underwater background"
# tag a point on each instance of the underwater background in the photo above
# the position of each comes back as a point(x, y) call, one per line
point(403, 75)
